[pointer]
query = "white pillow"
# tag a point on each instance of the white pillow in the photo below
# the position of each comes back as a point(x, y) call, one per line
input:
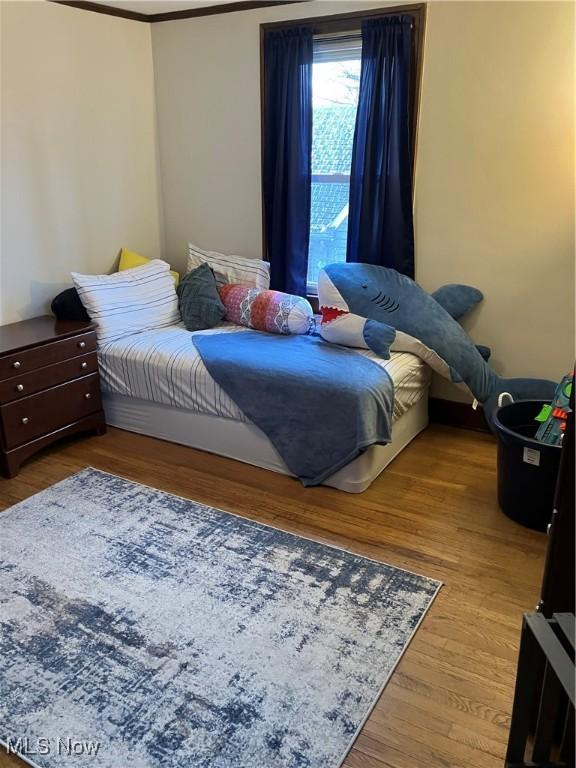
point(406, 343)
point(234, 270)
point(127, 302)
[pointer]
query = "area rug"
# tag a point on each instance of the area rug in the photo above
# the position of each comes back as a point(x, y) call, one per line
point(143, 630)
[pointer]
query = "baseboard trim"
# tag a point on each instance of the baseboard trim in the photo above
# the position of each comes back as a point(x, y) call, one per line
point(457, 414)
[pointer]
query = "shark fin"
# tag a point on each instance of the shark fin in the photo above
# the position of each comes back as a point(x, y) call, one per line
point(378, 337)
point(457, 299)
point(486, 352)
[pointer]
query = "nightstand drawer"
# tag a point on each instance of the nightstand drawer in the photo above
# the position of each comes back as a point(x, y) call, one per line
point(50, 410)
point(43, 378)
point(46, 354)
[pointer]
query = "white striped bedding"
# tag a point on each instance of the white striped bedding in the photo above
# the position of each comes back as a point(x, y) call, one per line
point(163, 366)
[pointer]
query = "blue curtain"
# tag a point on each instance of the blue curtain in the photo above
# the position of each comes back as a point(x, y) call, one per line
point(287, 155)
point(380, 227)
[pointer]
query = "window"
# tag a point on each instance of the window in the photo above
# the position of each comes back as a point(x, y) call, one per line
point(335, 84)
point(329, 51)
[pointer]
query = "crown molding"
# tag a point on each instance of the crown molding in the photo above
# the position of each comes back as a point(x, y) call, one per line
point(108, 10)
point(190, 13)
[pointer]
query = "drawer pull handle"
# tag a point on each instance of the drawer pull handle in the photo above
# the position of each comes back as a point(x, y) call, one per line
point(16, 364)
point(84, 365)
point(25, 420)
point(87, 396)
point(19, 387)
point(81, 344)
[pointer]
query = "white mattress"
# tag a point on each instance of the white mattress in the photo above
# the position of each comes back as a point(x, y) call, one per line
point(164, 367)
point(245, 442)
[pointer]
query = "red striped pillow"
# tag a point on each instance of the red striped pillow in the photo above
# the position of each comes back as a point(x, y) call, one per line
point(270, 311)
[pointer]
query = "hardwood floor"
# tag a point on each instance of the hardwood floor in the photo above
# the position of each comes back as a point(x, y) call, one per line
point(433, 511)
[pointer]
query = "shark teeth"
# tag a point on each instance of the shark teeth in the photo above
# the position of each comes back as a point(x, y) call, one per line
point(329, 314)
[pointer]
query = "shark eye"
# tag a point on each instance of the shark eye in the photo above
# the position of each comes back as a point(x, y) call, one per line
point(365, 286)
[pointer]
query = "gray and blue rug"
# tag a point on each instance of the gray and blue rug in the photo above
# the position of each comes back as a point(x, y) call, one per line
point(143, 630)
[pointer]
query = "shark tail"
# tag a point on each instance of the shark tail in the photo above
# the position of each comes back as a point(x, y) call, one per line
point(518, 389)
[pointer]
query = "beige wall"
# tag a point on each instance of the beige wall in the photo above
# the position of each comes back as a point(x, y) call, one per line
point(495, 175)
point(494, 188)
point(494, 194)
point(79, 177)
point(207, 73)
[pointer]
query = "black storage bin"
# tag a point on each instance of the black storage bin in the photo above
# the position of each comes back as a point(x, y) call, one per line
point(527, 468)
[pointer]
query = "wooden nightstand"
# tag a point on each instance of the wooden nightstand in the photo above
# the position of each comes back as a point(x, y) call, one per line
point(49, 386)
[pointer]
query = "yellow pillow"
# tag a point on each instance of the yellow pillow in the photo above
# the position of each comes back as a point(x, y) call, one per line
point(129, 259)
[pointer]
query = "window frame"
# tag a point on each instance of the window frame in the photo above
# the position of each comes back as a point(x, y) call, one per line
point(352, 23)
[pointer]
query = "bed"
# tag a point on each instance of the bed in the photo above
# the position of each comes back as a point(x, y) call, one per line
point(155, 383)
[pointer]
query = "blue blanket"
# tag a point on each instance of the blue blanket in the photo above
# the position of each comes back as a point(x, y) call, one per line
point(320, 405)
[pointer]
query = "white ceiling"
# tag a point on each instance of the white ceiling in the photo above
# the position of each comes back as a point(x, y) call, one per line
point(161, 6)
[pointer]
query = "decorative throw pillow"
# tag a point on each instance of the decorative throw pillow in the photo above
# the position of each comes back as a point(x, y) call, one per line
point(129, 260)
point(269, 311)
point(131, 301)
point(198, 300)
point(231, 269)
point(67, 306)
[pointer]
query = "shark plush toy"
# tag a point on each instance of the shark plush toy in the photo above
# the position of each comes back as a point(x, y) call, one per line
point(377, 308)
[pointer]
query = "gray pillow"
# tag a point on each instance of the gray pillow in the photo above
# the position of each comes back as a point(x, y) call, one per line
point(198, 299)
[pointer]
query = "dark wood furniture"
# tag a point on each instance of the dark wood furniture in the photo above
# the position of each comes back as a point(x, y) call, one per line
point(49, 386)
point(545, 666)
point(543, 716)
